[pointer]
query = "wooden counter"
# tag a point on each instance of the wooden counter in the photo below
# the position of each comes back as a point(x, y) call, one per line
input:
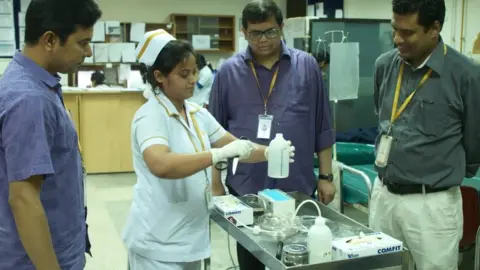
point(103, 119)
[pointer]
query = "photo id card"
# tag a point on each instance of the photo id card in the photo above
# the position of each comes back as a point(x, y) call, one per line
point(208, 196)
point(383, 152)
point(264, 126)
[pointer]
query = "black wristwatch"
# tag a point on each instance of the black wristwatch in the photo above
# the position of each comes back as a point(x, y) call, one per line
point(327, 177)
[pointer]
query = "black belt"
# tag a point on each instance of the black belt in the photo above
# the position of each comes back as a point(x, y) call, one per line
point(410, 189)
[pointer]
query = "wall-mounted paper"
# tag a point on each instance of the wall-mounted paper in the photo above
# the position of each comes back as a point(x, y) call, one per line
point(124, 72)
point(115, 52)
point(137, 31)
point(6, 7)
point(99, 32)
point(100, 53)
point(113, 28)
point(7, 34)
point(128, 53)
point(6, 20)
point(7, 48)
point(201, 42)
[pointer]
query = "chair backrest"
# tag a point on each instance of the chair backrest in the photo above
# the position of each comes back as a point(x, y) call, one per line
point(471, 215)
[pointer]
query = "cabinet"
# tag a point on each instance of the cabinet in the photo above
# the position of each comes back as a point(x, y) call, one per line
point(103, 120)
point(220, 28)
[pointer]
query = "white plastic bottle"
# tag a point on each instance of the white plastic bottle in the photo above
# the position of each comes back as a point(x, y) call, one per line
point(278, 157)
point(319, 242)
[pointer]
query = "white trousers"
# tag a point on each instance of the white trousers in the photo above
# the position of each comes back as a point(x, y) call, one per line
point(430, 225)
point(137, 262)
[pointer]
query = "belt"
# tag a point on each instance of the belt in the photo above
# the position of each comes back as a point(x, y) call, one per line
point(410, 189)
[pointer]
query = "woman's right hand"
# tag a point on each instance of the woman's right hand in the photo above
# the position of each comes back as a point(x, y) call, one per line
point(237, 148)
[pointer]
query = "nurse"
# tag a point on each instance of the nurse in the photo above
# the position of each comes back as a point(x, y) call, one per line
point(172, 141)
point(201, 94)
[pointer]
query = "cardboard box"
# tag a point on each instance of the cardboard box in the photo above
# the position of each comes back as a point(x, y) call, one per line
point(365, 245)
point(236, 211)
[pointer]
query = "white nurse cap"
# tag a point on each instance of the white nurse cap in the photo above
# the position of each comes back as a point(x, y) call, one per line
point(151, 45)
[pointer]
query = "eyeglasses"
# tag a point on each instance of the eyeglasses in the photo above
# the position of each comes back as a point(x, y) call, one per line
point(269, 34)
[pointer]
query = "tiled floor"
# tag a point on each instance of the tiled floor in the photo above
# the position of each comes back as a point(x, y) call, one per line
point(109, 198)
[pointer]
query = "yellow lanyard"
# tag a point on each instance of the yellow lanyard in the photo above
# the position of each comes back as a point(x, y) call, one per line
point(397, 111)
point(272, 85)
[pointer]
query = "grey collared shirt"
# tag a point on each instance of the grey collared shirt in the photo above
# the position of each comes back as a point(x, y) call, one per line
point(437, 137)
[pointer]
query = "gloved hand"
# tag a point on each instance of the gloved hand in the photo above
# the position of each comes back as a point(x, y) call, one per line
point(292, 152)
point(237, 148)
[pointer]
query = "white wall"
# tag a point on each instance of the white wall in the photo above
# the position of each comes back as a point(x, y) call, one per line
point(382, 9)
point(152, 11)
point(159, 11)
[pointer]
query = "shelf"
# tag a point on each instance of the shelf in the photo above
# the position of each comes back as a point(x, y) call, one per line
point(220, 28)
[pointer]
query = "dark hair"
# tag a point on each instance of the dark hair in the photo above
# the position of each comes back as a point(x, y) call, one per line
point(143, 70)
point(201, 62)
point(98, 77)
point(322, 56)
point(259, 11)
point(171, 55)
point(59, 16)
point(428, 11)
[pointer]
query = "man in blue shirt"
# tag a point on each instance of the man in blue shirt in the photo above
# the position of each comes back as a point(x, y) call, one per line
point(42, 224)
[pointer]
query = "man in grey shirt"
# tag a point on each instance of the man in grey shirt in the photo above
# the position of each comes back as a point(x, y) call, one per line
point(427, 97)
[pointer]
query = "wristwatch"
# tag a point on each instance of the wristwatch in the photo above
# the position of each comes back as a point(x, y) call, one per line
point(327, 177)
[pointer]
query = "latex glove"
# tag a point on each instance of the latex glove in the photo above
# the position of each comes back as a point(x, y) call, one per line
point(237, 148)
point(292, 152)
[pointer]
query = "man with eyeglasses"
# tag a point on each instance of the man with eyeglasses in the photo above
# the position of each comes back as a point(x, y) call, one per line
point(271, 89)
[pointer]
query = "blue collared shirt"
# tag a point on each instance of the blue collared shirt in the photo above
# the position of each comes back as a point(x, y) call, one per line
point(37, 137)
point(300, 109)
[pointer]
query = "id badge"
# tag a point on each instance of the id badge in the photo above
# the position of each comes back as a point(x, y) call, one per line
point(383, 151)
point(264, 126)
point(208, 196)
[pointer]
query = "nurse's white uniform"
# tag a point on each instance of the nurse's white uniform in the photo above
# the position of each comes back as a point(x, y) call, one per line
point(167, 227)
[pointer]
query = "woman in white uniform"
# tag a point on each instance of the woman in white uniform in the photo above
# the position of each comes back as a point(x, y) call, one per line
point(172, 141)
point(201, 94)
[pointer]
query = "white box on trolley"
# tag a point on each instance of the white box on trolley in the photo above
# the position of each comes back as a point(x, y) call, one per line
point(233, 209)
point(369, 244)
point(277, 202)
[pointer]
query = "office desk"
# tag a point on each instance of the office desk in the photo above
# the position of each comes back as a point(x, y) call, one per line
point(103, 119)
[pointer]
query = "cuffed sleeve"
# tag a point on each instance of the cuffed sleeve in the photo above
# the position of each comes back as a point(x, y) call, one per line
point(324, 132)
point(214, 130)
point(150, 130)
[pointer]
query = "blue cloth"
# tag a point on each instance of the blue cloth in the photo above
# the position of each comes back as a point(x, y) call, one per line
point(37, 137)
point(359, 135)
